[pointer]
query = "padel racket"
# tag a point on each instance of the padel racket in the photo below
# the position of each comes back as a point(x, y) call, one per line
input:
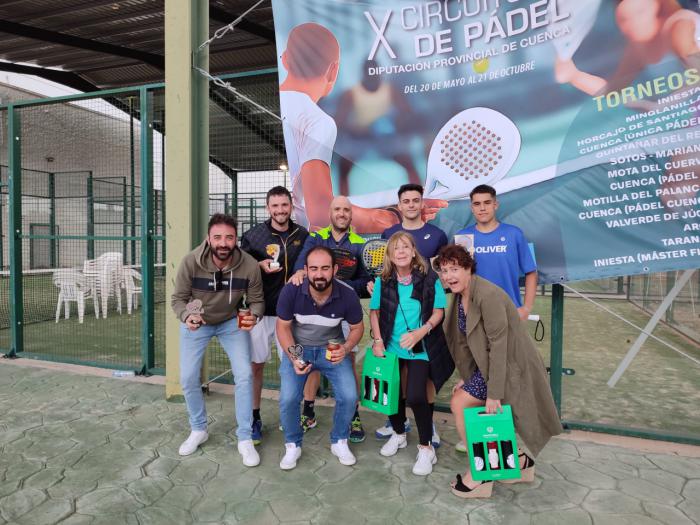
point(373, 253)
point(476, 146)
point(347, 263)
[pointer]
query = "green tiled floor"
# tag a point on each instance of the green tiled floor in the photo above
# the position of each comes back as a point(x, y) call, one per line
point(90, 450)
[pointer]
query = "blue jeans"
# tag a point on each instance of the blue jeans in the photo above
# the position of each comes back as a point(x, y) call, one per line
point(236, 344)
point(341, 377)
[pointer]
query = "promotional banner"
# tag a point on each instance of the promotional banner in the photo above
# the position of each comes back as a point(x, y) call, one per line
point(582, 114)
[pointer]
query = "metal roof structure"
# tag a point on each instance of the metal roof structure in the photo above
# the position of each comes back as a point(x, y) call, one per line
point(91, 45)
point(100, 44)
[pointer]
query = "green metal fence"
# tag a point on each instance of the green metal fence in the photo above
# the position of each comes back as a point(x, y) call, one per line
point(83, 176)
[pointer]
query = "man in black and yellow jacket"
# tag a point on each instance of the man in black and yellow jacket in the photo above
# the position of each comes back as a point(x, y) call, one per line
point(275, 244)
point(212, 281)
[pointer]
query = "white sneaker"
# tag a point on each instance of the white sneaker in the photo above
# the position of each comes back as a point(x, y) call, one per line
point(291, 455)
point(341, 450)
point(250, 456)
point(461, 447)
point(435, 440)
point(391, 447)
point(197, 437)
point(386, 431)
point(425, 460)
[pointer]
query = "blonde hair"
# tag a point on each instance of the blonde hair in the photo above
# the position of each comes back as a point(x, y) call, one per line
point(417, 263)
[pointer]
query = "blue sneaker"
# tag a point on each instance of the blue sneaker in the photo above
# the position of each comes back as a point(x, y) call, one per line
point(256, 434)
point(386, 431)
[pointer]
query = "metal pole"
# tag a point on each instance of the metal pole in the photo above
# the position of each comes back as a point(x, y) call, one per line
point(557, 345)
point(133, 179)
point(147, 314)
point(14, 161)
point(90, 217)
point(52, 220)
point(670, 282)
point(125, 219)
point(2, 247)
point(162, 185)
point(649, 328)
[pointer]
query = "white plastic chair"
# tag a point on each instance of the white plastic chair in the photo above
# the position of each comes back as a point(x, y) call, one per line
point(71, 286)
point(111, 277)
point(132, 291)
point(91, 273)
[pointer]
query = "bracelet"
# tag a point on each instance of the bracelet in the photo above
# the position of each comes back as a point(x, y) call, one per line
point(374, 341)
point(429, 325)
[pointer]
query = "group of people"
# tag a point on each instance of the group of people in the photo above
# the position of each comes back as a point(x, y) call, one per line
point(303, 291)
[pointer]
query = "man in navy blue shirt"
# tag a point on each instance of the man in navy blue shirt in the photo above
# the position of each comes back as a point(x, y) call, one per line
point(347, 247)
point(310, 315)
point(429, 239)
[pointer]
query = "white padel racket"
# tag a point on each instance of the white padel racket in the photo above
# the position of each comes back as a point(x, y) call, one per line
point(476, 146)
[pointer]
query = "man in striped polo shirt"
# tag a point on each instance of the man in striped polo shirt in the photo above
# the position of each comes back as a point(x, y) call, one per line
point(310, 315)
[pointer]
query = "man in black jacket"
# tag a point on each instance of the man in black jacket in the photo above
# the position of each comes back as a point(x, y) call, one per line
point(275, 244)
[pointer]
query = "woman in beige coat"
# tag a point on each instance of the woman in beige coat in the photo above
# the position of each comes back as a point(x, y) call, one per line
point(497, 361)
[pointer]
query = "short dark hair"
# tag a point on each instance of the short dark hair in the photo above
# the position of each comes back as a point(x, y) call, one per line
point(455, 254)
point(277, 191)
point(319, 248)
point(483, 188)
point(222, 218)
point(410, 187)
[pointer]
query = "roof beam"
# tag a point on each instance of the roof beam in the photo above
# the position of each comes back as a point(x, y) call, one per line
point(81, 43)
point(221, 15)
point(62, 77)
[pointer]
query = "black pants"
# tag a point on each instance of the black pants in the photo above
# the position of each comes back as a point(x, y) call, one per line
point(416, 380)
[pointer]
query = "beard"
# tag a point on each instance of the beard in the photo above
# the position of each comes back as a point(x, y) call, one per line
point(320, 285)
point(281, 219)
point(340, 228)
point(222, 253)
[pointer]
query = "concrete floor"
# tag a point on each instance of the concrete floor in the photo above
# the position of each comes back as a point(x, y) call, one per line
point(89, 449)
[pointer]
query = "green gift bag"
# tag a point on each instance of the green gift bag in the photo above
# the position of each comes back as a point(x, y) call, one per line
point(493, 451)
point(380, 383)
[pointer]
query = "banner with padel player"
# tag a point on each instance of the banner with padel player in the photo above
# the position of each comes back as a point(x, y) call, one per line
point(582, 115)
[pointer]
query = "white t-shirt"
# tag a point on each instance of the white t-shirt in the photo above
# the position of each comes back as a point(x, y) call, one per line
point(309, 134)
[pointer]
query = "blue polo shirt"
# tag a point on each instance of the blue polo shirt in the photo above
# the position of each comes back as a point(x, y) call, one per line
point(315, 325)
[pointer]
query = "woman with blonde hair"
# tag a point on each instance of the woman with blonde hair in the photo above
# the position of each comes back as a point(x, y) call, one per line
point(406, 312)
point(497, 362)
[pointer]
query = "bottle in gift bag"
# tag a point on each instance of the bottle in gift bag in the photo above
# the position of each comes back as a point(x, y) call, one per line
point(507, 450)
point(385, 393)
point(368, 388)
point(479, 458)
point(494, 460)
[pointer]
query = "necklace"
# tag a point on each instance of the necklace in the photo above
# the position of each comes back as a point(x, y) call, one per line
point(404, 280)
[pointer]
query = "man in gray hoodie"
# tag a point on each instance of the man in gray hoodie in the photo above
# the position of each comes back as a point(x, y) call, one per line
point(218, 274)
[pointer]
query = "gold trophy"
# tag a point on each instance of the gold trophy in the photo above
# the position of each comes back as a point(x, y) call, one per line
point(273, 250)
